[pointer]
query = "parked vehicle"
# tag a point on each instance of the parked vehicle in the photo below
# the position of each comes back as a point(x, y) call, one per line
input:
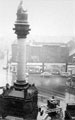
point(56, 73)
point(65, 74)
point(45, 74)
point(33, 71)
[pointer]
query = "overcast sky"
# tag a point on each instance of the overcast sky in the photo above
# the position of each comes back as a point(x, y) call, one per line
point(46, 17)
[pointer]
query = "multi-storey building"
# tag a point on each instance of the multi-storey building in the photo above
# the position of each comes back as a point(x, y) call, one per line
point(50, 54)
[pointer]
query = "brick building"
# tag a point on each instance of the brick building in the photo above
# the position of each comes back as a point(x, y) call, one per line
point(47, 53)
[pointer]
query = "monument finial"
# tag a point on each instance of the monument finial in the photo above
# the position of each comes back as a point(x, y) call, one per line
point(20, 7)
point(21, 24)
point(21, 2)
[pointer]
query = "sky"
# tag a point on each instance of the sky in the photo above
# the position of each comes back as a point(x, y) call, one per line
point(46, 18)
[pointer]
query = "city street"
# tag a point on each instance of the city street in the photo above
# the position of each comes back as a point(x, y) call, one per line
point(47, 86)
point(53, 84)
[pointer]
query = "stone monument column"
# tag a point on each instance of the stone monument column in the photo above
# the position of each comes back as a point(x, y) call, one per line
point(21, 68)
point(21, 99)
point(21, 29)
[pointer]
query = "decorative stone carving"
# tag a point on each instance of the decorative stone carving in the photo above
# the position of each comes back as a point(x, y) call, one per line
point(21, 13)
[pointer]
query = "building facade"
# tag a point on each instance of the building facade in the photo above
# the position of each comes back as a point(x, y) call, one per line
point(49, 54)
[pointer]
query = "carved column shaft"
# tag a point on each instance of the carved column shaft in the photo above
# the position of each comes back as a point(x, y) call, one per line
point(22, 30)
point(21, 68)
